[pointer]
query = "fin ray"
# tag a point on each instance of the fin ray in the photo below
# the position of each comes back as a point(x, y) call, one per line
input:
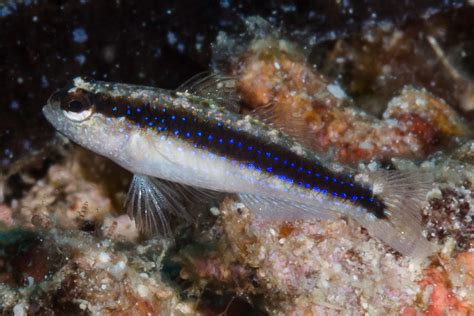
point(148, 203)
point(269, 208)
point(404, 193)
point(213, 86)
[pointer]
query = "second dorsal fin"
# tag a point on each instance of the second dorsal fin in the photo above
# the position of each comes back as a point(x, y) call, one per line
point(214, 86)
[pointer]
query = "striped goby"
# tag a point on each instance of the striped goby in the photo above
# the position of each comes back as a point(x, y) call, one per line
point(175, 140)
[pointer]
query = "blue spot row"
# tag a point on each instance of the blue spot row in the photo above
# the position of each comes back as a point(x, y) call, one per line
point(232, 142)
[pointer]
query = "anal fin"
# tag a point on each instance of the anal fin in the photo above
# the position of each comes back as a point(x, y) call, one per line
point(272, 209)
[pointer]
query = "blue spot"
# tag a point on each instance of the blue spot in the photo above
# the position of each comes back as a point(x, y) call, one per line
point(308, 172)
point(326, 178)
point(351, 184)
point(188, 135)
point(14, 105)
point(239, 144)
point(195, 145)
point(183, 119)
point(171, 37)
point(268, 154)
point(163, 110)
point(285, 162)
point(114, 109)
point(300, 168)
point(129, 112)
point(258, 168)
point(342, 182)
point(371, 200)
point(231, 141)
point(307, 185)
point(199, 134)
point(249, 148)
point(222, 157)
point(155, 118)
point(343, 195)
point(324, 191)
point(250, 165)
point(259, 152)
point(300, 183)
point(275, 158)
point(146, 118)
point(209, 137)
point(269, 169)
point(173, 117)
point(334, 180)
point(290, 181)
point(241, 166)
point(317, 189)
point(219, 124)
point(79, 35)
point(220, 140)
point(334, 194)
point(292, 165)
point(354, 198)
point(162, 121)
point(224, 3)
point(150, 124)
point(176, 132)
point(139, 110)
point(282, 177)
point(158, 129)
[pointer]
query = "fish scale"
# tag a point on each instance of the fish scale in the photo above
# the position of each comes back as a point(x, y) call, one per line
point(238, 145)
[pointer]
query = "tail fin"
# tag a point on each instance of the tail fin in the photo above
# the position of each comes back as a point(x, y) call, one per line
point(404, 194)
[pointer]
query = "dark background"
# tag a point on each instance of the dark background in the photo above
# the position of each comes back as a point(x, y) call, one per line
point(45, 43)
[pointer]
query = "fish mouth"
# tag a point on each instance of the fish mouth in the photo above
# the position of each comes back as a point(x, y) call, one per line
point(48, 111)
point(53, 105)
point(56, 97)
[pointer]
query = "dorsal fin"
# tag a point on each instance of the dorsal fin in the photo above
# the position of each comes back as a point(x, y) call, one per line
point(214, 86)
point(293, 125)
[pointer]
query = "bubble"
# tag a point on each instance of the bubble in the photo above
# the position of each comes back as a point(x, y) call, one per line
point(171, 38)
point(81, 59)
point(79, 35)
point(14, 105)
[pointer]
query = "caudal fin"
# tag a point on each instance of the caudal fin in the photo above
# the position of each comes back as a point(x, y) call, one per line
point(404, 194)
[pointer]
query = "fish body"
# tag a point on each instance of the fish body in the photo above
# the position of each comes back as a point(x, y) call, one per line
point(192, 140)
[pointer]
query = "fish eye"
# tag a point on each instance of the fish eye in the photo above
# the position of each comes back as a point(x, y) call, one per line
point(77, 107)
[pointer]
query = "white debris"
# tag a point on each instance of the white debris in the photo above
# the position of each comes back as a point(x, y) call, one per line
point(19, 310)
point(336, 91)
point(215, 211)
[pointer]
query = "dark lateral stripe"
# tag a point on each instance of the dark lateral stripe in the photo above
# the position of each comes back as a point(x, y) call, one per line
point(246, 149)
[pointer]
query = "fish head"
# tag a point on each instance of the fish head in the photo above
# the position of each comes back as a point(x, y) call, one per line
point(73, 112)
